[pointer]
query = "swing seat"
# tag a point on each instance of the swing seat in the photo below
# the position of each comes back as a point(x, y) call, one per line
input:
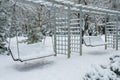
point(93, 41)
point(28, 52)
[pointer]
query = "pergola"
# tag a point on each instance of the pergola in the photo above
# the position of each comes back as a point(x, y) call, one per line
point(68, 30)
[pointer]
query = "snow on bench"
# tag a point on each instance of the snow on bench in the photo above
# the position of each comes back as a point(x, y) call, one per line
point(28, 51)
point(93, 41)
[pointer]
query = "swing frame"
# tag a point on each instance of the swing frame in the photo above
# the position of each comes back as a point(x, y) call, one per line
point(81, 9)
point(18, 52)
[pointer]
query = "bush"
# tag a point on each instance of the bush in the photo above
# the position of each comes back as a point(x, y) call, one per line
point(109, 72)
point(100, 73)
point(115, 64)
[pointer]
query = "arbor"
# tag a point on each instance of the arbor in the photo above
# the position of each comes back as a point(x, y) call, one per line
point(95, 18)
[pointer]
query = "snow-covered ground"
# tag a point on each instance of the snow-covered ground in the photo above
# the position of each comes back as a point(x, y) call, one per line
point(54, 68)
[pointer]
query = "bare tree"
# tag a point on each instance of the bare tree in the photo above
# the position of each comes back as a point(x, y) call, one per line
point(86, 16)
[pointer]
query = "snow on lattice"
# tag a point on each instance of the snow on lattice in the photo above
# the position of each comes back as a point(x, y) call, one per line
point(97, 9)
point(77, 6)
point(64, 1)
point(58, 5)
point(68, 2)
point(93, 41)
point(59, 0)
point(47, 3)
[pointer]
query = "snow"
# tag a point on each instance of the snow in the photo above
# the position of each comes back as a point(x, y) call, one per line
point(115, 63)
point(53, 68)
point(77, 6)
point(36, 50)
point(101, 73)
point(93, 41)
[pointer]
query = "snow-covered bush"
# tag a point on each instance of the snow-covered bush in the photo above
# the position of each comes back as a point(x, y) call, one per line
point(3, 24)
point(115, 64)
point(100, 73)
point(108, 72)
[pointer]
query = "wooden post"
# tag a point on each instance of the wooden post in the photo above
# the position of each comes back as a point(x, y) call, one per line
point(55, 49)
point(68, 25)
point(106, 31)
point(81, 31)
point(117, 24)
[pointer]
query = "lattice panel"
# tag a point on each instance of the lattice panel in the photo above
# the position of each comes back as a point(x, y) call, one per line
point(67, 27)
point(111, 35)
point(61, 32)
point(75, 35)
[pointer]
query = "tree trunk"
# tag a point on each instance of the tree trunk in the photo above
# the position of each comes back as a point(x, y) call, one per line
point(86, 16)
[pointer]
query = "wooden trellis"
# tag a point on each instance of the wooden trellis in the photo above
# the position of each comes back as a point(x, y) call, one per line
point(68, 30)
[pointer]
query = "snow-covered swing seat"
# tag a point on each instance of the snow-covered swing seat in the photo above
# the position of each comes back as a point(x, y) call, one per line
point(26, 52)
point(21, 51)
point(93, 41)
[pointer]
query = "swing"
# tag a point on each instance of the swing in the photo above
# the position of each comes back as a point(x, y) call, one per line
point(17, 56)
point(19, 51)
point(93, 41)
